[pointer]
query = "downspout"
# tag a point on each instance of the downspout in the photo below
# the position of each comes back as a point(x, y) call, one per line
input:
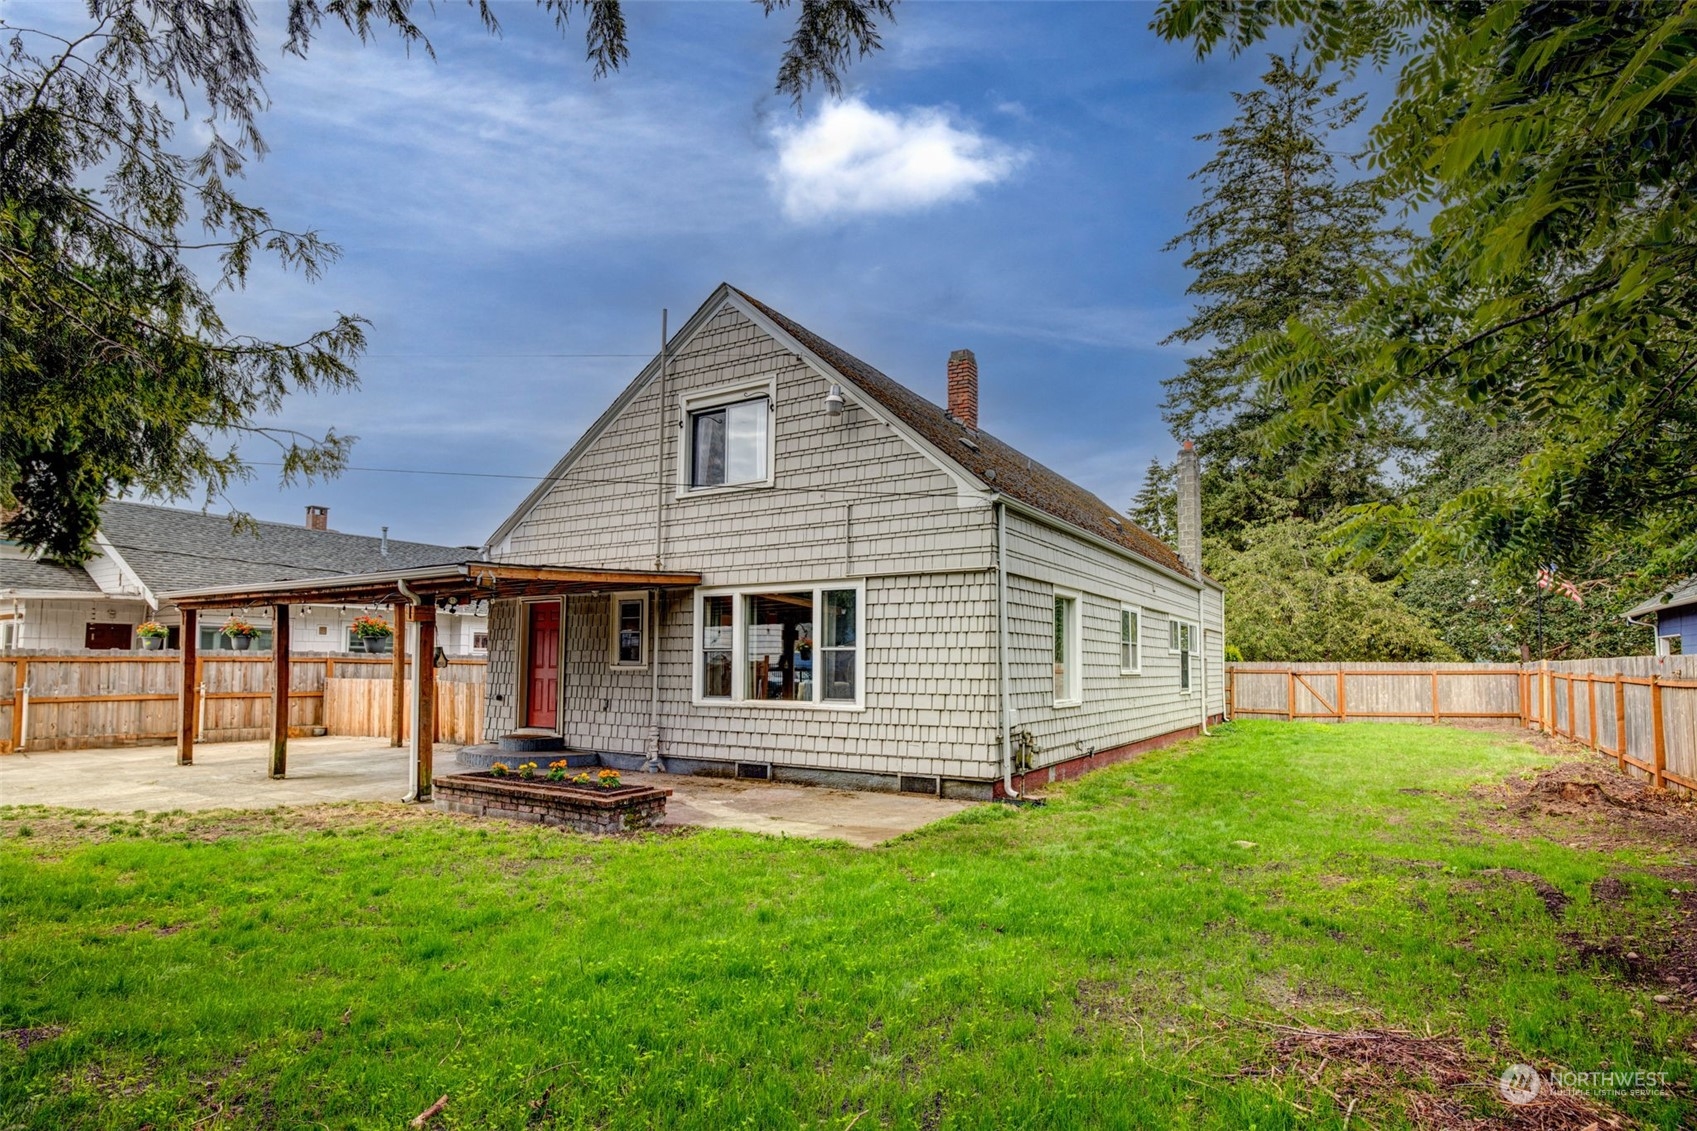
point(653, 763)
point(409, 643)
point(1002, 647)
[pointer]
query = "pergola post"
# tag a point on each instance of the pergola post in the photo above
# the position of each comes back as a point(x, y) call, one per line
point(423, 697)
point(398, 675)
point(188, 698)
point(279, 690)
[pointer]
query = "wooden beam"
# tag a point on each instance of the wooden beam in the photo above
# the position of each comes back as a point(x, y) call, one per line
point(1343, 709)
point(1290, 695)
point(189, 637)
point(1435, 715)
point(424, 697)
point(1658, 734)
point(1620, 722)
point(398, 676)
point(1591, 709)
point(280, 671)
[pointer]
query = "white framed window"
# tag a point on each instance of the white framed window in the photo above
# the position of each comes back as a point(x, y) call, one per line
point(480, 642)
point(1187, 639)
point(781, 645)
point(627, 645)
point(1173, 632)
point(1068, 651)
point(1131, 640)
point(727, 438)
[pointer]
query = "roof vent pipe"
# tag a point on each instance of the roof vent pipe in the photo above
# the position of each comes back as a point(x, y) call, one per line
point(383, 546)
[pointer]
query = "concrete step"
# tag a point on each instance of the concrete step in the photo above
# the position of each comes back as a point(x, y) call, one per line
point(531, 743)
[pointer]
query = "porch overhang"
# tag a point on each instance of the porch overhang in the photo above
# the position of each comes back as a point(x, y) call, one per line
point(458, 581)
point(415, 595)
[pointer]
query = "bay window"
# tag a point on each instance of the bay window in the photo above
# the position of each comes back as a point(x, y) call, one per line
point(786, 644)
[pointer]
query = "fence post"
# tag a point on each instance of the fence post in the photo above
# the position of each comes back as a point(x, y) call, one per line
point(1343, 711)
point(1657, 732)
point(1434, 694)
point(1620, 721)
point(1290, 695)
point(1591, 708)
point(20, 676)
point(1546, 697)
point(1520, 692)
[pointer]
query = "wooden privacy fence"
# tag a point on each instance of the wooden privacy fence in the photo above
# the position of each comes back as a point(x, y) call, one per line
point(1640, 710)
point(66, 702)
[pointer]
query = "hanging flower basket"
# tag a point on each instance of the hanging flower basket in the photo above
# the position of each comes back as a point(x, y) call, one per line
point(374, 634)
point(240, 632)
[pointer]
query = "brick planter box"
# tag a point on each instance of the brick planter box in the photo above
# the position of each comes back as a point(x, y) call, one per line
point(591, 810)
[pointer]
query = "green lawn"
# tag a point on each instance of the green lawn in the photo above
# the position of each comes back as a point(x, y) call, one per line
point(1119, 957)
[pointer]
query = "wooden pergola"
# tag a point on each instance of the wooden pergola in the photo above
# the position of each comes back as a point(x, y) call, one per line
point(415, 595)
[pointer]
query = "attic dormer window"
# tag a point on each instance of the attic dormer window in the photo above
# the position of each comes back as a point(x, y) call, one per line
point(727, 439)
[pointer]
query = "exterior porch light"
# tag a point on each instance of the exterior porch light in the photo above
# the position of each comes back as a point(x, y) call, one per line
point(440, 659)
point(834, 401)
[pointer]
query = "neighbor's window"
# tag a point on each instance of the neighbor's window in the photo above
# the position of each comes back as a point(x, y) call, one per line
point(629, 645)
point(212, 640)
point(716, 645)
point(1131, 646)
point(728, 443)
point(480, 642)
point(1068, 655)
point(785, 646)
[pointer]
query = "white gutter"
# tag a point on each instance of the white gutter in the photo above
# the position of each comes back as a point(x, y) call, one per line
point(1002, 646)
point(1045, 518)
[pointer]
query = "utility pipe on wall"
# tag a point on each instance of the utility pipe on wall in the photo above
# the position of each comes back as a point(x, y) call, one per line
point(653, 763)
point(1002, 645)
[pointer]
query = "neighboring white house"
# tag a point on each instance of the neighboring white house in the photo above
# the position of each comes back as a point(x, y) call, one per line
point(892, 598)
point(143, 551)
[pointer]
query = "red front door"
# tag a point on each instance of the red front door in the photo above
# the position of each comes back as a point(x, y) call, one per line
point(542, 682)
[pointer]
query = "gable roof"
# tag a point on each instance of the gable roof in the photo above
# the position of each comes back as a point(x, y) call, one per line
point(170, 550)
point(997, 465)
point(1673, 597)
point(989, 465)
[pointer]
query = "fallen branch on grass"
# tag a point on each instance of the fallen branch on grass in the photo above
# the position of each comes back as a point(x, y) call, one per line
point(430, 1112)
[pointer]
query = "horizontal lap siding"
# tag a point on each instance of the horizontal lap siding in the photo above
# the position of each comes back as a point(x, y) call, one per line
point(852, 499)
point(1116, 709)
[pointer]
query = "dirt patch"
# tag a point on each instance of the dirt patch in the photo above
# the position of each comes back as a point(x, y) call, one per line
point(1588, 803)
point(1610, 889)
point(22, 1039)
point(1555, 900)
point(1439, 1086)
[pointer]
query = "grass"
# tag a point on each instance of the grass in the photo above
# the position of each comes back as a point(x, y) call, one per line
point(1116, 958)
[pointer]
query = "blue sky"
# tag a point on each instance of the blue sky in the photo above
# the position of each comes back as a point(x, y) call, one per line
point(1002, 177)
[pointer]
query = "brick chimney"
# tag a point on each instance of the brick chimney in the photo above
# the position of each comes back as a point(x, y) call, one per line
point(1189, 508)
point(318, 518)
point(963, 387)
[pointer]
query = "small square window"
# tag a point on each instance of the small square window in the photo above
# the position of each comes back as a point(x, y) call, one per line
point(480, 642)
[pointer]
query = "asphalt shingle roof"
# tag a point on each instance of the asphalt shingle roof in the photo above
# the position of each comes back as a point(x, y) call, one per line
point(28, 576)
point(172, 550)
point(1001, 466)
point(1672, 597)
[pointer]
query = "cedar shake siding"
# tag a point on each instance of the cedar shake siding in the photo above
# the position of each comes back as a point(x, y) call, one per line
point(863, 499)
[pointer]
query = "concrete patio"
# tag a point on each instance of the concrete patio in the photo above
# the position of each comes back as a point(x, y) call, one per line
point(231, 775)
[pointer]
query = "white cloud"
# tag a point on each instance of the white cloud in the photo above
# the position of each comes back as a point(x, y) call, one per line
point(850, 158)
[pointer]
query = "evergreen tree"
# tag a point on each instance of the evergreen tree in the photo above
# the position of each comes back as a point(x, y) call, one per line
point(1278, 236)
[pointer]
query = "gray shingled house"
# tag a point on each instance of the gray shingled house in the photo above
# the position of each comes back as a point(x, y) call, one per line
point(143, 551)
point(891, 597)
